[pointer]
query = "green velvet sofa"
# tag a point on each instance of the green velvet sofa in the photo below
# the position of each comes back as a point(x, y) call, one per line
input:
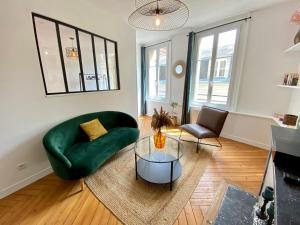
point(73, 156)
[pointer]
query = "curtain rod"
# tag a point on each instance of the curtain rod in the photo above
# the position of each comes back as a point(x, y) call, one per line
point(157, 43)
point(225, 24)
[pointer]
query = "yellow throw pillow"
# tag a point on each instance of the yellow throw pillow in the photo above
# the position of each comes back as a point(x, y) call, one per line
point(93, 129)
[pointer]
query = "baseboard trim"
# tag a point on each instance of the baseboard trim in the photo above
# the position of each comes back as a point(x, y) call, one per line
point(246, 141)
point(25, 182)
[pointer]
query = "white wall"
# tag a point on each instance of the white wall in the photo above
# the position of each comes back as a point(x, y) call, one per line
point(26, 113)
point(246, 128)
point(294, 107)
point(265, 63)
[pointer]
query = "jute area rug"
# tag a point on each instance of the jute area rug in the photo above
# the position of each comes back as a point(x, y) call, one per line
point(137, 202)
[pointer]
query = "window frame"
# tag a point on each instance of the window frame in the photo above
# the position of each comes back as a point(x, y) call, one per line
point(58, 23)
point(232, 70)
point(220, 67)
point(157, 47)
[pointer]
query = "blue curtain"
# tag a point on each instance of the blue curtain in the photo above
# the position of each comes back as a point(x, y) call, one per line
point(185, 118)
point(143, 81)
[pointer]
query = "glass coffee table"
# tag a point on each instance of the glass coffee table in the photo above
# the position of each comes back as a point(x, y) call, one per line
point(159, 166)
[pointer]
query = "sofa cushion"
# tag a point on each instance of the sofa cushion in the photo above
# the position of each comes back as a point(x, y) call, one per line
point(93, 129)
point(86, 157)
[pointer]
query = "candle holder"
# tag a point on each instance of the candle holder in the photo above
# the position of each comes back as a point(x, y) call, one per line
point(268, 195)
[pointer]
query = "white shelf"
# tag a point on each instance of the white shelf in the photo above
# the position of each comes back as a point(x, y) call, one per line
point(289, 86)
point(294, 48)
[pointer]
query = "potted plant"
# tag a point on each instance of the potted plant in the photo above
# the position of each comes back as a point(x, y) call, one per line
point(159, 120)
point(173, 115)
point(174, 106)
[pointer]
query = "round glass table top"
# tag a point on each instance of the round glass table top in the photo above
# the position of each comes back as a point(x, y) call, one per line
point(146, 150)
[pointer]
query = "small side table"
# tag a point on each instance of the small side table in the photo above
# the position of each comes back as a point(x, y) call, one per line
point(159, 166)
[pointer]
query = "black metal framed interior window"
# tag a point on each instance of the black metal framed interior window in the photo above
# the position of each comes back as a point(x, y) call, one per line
point(74, 60)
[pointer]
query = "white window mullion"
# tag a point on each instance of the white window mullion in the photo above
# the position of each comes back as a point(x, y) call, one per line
point(157, 68)
point(212, 68)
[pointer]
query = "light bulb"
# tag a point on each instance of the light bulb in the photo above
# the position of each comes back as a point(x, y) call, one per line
point(157, 20)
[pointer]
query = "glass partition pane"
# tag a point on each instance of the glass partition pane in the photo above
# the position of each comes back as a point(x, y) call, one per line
point(112, 65)
point(87, 61)
point(71, 59)
point(101, 63)
point(50, 58)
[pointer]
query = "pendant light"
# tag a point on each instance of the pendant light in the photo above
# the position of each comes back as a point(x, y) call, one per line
point(72, 52)
point(159, 15)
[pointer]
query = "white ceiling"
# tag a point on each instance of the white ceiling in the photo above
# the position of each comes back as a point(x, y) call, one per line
point(202, 12)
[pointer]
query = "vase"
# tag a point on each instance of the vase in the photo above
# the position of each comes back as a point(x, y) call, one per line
point(297, 38)
point(159, 140)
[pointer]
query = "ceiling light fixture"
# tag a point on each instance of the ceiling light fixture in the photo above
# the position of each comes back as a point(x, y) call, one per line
point(72, 52)
point(159, 15)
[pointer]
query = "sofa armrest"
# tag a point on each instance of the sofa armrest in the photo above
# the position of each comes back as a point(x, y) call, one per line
point(63, 159)
point(56, 153)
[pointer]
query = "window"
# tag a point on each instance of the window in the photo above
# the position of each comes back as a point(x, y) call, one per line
point(213, 67)
point(157, 71)
point(221, 68)
point(73, 60)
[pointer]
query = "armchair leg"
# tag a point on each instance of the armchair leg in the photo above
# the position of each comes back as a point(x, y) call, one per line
point(82, 184)
point(220, 144)
point(180, 134)
point(199, 142)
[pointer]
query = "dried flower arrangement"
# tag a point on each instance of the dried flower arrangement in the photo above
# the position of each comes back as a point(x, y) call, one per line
point(159, 120)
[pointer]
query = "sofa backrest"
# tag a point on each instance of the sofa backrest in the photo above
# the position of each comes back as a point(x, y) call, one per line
point(67, 133)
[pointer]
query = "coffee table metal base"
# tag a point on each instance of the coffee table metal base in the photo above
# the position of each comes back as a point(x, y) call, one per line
point(158, 173)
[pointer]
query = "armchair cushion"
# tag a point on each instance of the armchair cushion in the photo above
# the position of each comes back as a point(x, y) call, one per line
point(198, 131)
point(212, 119)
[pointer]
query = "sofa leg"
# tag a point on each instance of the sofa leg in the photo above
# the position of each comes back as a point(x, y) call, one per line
point(82, 184)
point(198, 145)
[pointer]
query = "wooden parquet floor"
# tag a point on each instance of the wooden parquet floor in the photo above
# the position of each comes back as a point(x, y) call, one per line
point(53, 201)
